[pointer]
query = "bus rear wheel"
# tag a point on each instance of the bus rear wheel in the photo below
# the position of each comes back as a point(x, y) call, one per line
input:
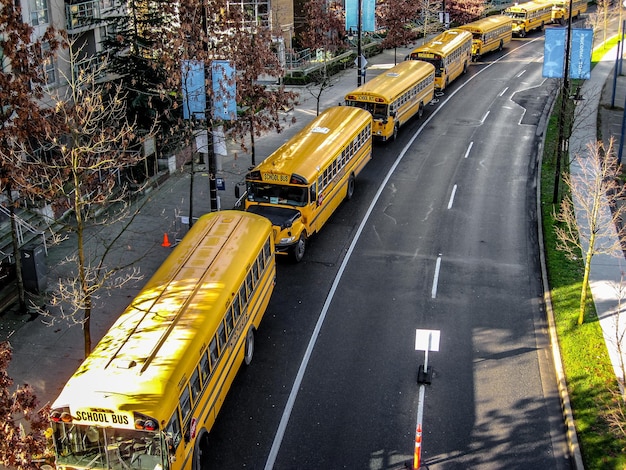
point(350, 191)
point(201, 452)
point(297, 252)
point(249, 351)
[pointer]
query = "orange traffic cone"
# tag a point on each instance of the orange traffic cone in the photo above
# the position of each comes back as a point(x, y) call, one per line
point(417, 455)
point(166, 240)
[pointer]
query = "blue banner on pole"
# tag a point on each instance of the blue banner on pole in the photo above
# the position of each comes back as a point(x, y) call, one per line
point(224, 90)
point(580, 55)
point(368, 22)
point(368, 17)
point(194, 92)
point(554, 53)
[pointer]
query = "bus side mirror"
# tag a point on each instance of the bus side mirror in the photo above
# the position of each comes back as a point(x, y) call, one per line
point(237, 192)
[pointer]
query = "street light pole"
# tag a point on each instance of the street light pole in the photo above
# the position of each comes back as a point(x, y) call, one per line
point(563, 139)
point(359, 52)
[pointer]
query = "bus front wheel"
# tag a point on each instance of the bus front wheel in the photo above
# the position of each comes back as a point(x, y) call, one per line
point(249, 351)
point(395, 132)
point(420, 111)
point(297, 252)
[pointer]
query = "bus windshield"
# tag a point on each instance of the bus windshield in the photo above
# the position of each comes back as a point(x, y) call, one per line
point(86, 446)
point(278, 194)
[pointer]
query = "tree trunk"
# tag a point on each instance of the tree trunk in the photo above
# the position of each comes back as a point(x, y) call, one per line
point(85, 290)
point(193, 171)
point(252, 141)
point(16, 251)
point(583, 291)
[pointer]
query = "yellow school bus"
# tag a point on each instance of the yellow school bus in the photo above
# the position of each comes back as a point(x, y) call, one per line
point(489, 34)
point(450, 52)
point(299, 186)
point(395, 96)
point(560, 9)
point(529, 16)
point(148, 394)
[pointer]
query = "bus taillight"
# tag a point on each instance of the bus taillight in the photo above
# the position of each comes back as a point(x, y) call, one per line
point(61, 416)
point(145, 423)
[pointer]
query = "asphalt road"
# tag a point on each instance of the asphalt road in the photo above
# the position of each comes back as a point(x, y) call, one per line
point(448, 242)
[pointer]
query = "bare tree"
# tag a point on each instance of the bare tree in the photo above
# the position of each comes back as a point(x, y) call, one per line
point(22, 118)
point(396, 17)
point(22, 421)
point(86, 152)
point(605, 11)
point(429, 17)
point(593, 191)
point(260, 95)
point(324, 35)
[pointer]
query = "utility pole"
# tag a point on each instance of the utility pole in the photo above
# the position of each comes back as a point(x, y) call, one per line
point(563, 143)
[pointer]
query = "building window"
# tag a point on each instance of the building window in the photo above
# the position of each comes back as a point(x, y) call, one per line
point(38, 12)
point(48, 66)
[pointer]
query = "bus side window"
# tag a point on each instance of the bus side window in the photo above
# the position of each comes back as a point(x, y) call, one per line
point(236, 308)
point(185, 407)
point(172, 430)
point(196, 385)
point(221, 336)
point(267, 251)
point(213, 352)
point(243, 295)
point(250, 282)
point(205, 368)
point(230, 324)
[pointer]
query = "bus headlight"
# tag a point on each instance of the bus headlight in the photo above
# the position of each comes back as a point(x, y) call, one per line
point(284, 241)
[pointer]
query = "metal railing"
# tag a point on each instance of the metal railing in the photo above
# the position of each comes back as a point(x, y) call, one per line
point(21, 225)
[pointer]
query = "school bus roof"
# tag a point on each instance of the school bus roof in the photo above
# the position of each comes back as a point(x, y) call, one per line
point(445, 42)
point(317, 143)
point(141, 361)
point(395, 81)
point(486, 24)
point(529, 6)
